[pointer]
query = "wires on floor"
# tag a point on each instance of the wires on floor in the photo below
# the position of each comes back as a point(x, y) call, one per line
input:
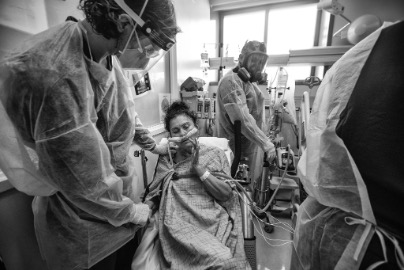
point(278, 224)
point(266, 239)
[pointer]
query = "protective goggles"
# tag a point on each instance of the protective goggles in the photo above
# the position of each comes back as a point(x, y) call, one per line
point(149, 29)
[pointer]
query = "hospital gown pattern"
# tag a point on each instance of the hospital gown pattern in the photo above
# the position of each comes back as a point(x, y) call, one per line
point(195, 230)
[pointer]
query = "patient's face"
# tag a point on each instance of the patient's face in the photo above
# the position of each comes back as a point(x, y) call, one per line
point(181, 125)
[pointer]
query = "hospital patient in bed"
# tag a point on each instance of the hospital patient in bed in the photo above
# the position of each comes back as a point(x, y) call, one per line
point(199, 223)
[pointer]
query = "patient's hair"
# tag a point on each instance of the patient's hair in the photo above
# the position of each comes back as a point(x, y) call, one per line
point(176, 109)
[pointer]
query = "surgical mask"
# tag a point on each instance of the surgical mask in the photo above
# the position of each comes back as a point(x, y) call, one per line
point(137, 58)
point(133, 59)
point(129, 39)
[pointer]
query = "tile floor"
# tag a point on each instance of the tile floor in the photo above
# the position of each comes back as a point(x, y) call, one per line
point(273, 257)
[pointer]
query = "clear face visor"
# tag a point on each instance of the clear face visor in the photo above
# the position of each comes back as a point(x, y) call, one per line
point(143, 50)
point(139, 57)
point(255, 62)
point(136, 65)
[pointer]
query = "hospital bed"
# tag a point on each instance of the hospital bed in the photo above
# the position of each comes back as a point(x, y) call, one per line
point(248, 229)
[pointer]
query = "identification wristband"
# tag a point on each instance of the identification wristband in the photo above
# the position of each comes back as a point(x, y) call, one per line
point(204, 176)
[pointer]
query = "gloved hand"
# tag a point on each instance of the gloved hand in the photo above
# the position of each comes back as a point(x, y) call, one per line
point(142, 214)
point(271, 153)
point(162, 149)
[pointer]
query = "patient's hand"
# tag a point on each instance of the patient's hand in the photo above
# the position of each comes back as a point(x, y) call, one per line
point(199, 169)
point(195, 153)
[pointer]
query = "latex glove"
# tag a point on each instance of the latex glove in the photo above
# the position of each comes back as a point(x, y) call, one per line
point(271, 154)
point(142, 214)
point(160, 149)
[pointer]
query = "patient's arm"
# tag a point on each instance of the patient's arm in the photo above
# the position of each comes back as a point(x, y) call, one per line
point(217, 188)
point(220, 190)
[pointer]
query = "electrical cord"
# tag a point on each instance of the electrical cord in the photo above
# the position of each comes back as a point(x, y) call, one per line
point(277, 188)
point(259, 210)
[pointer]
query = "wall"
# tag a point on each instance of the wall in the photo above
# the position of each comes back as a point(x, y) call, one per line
point(147, 104)
point(193, 17)
point(25, 15)
point(9, 37)
point(386, 10)
point(58, 10)
point(40, 14)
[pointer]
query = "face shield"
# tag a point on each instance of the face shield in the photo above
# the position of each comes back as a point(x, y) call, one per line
point(143, 50)
point(255, 63)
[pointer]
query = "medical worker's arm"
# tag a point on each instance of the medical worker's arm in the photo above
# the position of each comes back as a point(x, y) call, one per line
point(74, 155)
point(142, 136)
point(235, 104)
point(144, 139)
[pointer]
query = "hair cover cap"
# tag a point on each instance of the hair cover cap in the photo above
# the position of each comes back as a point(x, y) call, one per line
point(253, 46)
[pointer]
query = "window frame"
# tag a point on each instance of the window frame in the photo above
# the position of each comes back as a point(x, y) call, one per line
point(267, 7)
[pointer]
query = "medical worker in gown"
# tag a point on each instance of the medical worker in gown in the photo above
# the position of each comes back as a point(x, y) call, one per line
point(239, 98)
point(65, 100)
point(352, 167)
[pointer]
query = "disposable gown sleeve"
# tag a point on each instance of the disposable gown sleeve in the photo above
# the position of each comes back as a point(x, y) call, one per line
point(74, 155)
point(235, 104)
point(142, 136)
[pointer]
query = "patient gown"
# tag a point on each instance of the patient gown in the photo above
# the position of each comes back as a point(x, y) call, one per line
point(195, 230)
